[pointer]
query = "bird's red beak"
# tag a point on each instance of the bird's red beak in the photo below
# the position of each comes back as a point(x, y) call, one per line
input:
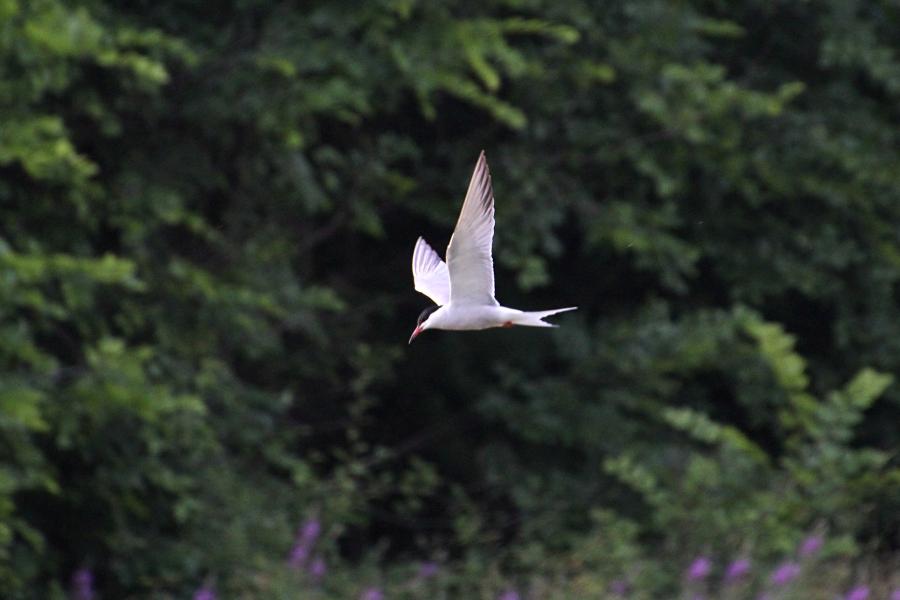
point(416, 332)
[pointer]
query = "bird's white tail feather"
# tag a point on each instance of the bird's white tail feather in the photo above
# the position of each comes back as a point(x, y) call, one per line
point(535, 319)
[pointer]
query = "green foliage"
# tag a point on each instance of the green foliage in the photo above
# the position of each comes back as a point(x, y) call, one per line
point(207, 214)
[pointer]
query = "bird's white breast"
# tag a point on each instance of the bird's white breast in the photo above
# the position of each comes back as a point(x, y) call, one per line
point(468, 317)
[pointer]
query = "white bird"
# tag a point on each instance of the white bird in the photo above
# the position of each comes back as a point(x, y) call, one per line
point(463, 287)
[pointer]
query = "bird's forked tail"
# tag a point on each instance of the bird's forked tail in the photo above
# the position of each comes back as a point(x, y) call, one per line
point(535, 318)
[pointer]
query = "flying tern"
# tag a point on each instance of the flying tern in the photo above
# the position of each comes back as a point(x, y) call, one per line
point(463, 287)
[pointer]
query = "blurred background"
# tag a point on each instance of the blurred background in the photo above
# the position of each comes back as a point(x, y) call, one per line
point(207, 215)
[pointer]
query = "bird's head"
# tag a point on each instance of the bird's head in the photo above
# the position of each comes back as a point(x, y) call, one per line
point(422, 323)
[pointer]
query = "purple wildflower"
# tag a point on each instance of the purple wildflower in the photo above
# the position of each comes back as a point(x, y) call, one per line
point(737, 570)
point(860, 592)
point(509, 595)
point(309, 533)
point(372, 593)
point(619, 587)
point(297, 558)
point(205, 593)
point(895, 595)
point(83, 584)
point(306, 539)
point(699, 569)
point(427, 570)
point(811, 545)
point(785, 573)
point(318, 568)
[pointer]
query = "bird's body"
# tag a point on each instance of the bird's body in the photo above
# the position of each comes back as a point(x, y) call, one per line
point(474, 317)
point(463, 287)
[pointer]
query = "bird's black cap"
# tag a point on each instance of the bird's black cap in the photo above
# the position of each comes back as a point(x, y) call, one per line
point(424, 314)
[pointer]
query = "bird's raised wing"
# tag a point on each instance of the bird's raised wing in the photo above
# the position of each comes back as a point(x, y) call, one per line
point(430, 274)
point(469, 253)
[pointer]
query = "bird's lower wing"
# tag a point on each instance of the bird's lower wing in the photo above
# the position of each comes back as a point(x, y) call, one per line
point(430, 273)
